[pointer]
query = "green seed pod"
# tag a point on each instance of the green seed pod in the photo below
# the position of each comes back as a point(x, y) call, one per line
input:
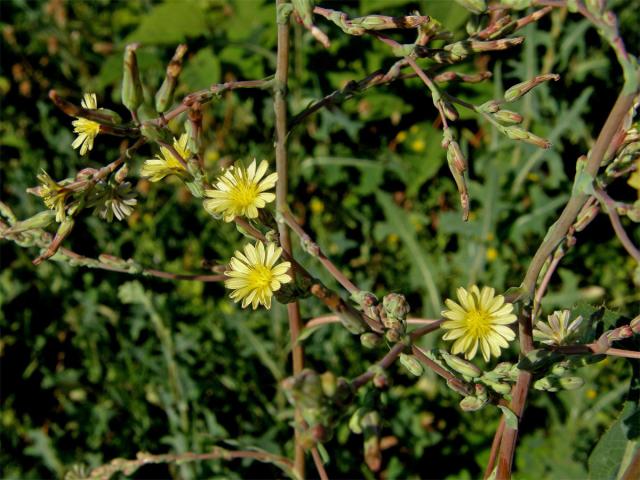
point(499, 387)
point(503, 369)
point(39, 220)
point(411, 364)
point(370, 340)
point(132, 95)
point(461, 366)
point(517, 133)
point(548, 384)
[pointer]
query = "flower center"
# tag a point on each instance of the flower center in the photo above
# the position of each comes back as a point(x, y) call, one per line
point(260, 277)
point(244, 193)
point(88, 127)
point(479, 323)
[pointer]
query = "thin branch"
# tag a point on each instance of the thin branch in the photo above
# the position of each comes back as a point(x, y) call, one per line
point(317, 460)
point(280, 111)
point(313, 249)
point(451, 379)
point(429, 323)
point(626, 242)
point(385, 363)
point(495, 446)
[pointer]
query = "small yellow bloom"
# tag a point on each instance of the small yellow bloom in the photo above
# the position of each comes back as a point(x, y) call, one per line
point(478, 322)
point(492, 254)
point(401, 137)
point(254, 276)
point(316, 205)
point(556, 330)
point(166, 163)
point(241, 191)
point(87, 130)
point(53, 194)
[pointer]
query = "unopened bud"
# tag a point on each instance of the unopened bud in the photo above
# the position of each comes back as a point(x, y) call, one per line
point(329, 383)
point(492, 106)
point(517, 91)
point(381, 379)
point(517, 133)
point(461, 366)
point(393, 335)
point(131, 84)
point(364, 299)
point(110, 116)
point(450, 110)
point(155, 133)
point(370, 340)
point(164, 95)
point(499, 387)
point(355, 422)
point(472, 403)
point(122, 173)
point(39, 220)
point(412, 364)
point(585, 217)
point(635, 324)
point(508, 117)
point(396, 308)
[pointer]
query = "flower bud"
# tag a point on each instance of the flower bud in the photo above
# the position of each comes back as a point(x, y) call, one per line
point(393, 335)
point(472, 403)
point(370, 423)
point(517, 91)
point(110, 115)
point(492, 106)
point(381, 379)
point(370, 340)
point(498, 387)
point(411, 364)
point(517, 133)
point(329, 383)
point(155, 133)
point(164, 95)
point(461, 366)
point(39, 220)
point(356, 419)
point(508, 117)
point(131, 85)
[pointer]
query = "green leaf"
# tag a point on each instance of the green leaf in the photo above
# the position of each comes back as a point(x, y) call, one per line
point(170, 23)
point(202, 70)
point(617, 447)
point(510, 418)
point(399, 221)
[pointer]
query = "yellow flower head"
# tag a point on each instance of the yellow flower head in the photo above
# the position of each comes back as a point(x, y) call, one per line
point(479, 321)
point(254, 276)
point(53, 195)
point(87, 130)
point(166, 163)
point(556, 330)
point(241, 191)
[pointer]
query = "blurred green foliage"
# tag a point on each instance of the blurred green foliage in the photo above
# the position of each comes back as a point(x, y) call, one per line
point(96, 365)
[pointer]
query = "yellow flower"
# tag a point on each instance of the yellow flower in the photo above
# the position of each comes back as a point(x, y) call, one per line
point(254, 276)
point(491, 254)
point(87, 130)
point(53, 194)
point(556, 330)
point(166, 163)
point(241, 191)
point(418, 145)
point(479, 321)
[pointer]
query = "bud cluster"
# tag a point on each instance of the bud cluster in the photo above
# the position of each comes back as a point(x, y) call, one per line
point(320, 400)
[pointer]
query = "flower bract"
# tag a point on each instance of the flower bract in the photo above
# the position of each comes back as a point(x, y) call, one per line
point(166, 163)
point(87, 130)
point(254, 275)
point(479, 322)
point(241, 191)
point(557, 329)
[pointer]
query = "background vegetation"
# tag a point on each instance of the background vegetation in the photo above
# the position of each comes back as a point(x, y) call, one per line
point(97, 365)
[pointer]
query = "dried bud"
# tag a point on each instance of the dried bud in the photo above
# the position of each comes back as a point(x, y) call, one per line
point(121, 174)
point(517, 91)
point(131, 86)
